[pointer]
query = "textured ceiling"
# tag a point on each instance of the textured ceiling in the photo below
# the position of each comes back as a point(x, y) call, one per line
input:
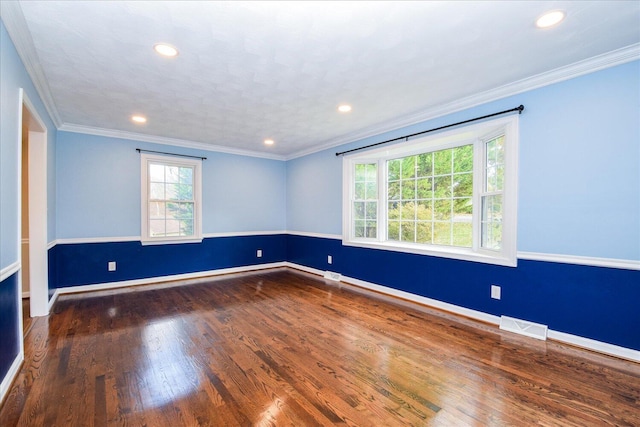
point(251, 70)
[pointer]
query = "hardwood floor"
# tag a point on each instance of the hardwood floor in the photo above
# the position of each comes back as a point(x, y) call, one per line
point(26, 317)
point(282, 347)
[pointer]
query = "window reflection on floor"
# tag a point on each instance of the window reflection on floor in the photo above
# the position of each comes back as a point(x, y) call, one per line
point(169, 373)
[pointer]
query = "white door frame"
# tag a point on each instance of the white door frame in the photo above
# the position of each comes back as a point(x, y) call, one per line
point(38, 254)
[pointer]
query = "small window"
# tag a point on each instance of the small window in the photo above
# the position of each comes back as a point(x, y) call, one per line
point(171, 190)
point(451, 195)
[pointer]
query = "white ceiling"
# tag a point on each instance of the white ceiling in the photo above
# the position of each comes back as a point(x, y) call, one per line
point(254, 70)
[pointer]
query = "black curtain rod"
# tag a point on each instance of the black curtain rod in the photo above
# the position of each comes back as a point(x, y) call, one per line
point(519, 109)
point(140, 150)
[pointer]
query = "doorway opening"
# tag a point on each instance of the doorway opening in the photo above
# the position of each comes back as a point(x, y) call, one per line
point(33, 188)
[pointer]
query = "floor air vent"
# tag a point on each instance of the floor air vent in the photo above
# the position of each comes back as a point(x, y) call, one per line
point(523, 327)
point(332, 276)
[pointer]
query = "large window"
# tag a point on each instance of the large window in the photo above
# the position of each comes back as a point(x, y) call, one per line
point(171, 189)
point(451, 195)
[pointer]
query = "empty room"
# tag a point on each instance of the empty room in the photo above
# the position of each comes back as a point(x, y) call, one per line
point(318, 213)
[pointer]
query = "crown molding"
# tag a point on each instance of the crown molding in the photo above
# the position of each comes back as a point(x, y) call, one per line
point(18, 30)
point(580, 68)
point(112, 133)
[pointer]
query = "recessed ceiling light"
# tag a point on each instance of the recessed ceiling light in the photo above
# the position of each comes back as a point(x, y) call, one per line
point(268, 142)
point(344, 108)
point(165, 49)
point(138, 119)
point(550, 19)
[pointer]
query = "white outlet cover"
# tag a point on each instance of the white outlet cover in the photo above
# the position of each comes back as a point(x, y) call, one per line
point(495, 292)
point(112, 266)
point(259, 253)
point(329, 259)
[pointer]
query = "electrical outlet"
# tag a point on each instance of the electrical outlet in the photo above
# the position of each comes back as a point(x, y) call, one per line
point(329, 259)
point(112, 266)
point(495, 291)
point(259, 253)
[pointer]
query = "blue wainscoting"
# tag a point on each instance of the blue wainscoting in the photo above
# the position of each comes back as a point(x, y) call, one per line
point(10, 333)
point(79, 264)
point(592, 302)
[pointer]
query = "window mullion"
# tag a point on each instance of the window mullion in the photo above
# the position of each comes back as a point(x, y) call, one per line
point(382, 200)
point(478, 192)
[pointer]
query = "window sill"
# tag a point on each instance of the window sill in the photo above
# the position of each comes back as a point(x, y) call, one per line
point(437, 251)
point(149, 242)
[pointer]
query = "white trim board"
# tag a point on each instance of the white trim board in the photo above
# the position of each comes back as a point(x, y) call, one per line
point(53, 300)
point(133, 136)
point(154, 280)
point(77, 240)
point(9, 271)
point(575, 340)
point(319, 235)
point(10, 377)
point(37, 216)
point(243, 234)
point(581, 260)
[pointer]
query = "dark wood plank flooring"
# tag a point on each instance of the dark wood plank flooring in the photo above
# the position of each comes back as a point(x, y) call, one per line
point(27, 320)
point(282, 347)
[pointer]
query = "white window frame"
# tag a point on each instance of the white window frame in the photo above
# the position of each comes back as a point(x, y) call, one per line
point(477, 135)
point(196, 164)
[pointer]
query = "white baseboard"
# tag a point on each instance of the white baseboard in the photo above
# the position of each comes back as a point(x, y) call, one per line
point(8, 379)
point(52, 301)
point(152, 280)
point(304, 268)
point(455, 309)
point(575, 340)
point(599, 346)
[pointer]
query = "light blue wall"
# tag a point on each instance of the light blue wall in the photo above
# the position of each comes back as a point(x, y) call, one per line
point(99, 188)
point(314, 193)
point(580, 166)
point(13, 76)
point(579, 175)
